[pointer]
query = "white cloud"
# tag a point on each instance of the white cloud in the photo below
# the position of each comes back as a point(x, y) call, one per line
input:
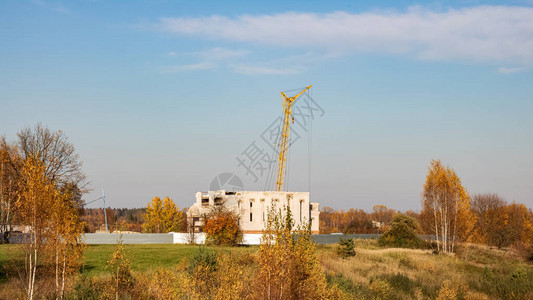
point(505, 70)
point(260, 70)
point(210, 59)
point(492, 34)
point(217, 53)
point(192, 67)
point(221, 53)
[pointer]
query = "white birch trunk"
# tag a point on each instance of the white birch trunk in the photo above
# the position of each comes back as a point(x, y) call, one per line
point(454, 224)
point(63, 275)
point(57, 271)
point(436, 225)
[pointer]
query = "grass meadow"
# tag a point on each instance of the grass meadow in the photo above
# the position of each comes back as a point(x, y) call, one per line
point(143, 257)
point(474, 272)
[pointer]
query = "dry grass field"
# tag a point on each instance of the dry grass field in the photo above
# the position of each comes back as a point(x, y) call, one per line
point(474, 272)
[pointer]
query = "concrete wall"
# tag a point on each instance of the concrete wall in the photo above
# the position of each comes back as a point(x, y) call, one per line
point(129, 238)
point(184, 238)
point(325, 239)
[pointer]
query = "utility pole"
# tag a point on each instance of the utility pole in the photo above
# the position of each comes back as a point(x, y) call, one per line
point(105, 210)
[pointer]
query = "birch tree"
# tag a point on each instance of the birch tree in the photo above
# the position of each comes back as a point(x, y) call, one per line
point(42, 173)
point(65, 247)
point(54, 228)
point(55, 154)
point(9, 162)
point(36, 196)
point(446, 200)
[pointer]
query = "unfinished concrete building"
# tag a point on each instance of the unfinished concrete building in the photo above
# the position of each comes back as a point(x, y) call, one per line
point(252, 207)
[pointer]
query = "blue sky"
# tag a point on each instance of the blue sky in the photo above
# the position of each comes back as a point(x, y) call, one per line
point(159, 97)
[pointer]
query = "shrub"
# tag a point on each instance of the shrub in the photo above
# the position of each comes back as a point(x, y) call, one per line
point(380, 288)
point(402, 233)
point(403, 283)
point(162, 284)
point(451, 290)
point(120, 267)
point(347, 287)
point(203, 258)
point(516, 283)
point(345, 248)
point(289, 267)
point(222, 227)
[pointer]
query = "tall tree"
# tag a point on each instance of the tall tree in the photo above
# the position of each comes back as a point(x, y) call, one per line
point(446, 200)
point(520, 226)
point(41, 183)
point(37, 195)
point(60, 162)
point(64, 247)
point(10, 161)
point(499, 223)
point(58, 156)
point(490, 218)
point(171, 216)
point(162, 216)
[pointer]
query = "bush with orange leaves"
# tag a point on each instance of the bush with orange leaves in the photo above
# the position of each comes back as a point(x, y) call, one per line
point(222, 227)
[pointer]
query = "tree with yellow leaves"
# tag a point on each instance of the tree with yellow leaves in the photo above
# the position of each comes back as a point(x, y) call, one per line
point(36, 196)
point(52, 219)
point(499, 223)
point(120, 266)
point(448, 203)
point(65, 246)
point(289, 267)
point(162, 216)
point(10, 162)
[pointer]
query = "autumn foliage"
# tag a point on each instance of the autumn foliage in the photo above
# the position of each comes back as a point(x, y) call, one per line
point(162, 216)
point(120, 266)
point(356, 220)
point(288, 262)
point(54, 239)
point(501, 224)
point(222, 227)
point(446, 207)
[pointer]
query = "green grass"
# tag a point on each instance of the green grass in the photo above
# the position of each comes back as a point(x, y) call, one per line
point(143, 257)
point(6, 253)
point(408, 273)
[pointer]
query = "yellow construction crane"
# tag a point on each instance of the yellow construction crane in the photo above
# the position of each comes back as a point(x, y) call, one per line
point(287, 103)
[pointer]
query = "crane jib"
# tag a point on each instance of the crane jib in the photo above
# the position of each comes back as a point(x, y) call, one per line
point(287, 103)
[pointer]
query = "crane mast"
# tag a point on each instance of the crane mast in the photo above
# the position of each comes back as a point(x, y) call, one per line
point(287, 103)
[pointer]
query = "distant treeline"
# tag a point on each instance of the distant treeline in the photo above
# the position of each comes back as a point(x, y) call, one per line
point(358, 220)
point(123, 219)
point(120, 219)
point(494, 221)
